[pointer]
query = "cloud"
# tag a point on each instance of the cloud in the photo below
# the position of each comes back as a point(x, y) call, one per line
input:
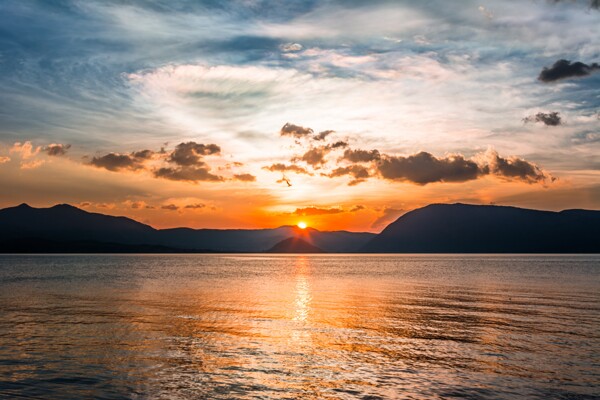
point(310, 211)
point(548, 119)
point(314, 156)
point(357, 208)
point(290, 47)
point(359, 156)
point(195, 206)
point(389, 215)
point(322, 135)
point(4, 159)
point(184, 163)
point(244, 177)
point(144, 154)
point(295, 131)
point(136, 205)
point(564, 69)
point(187, 174)
point(170, 207)
point(117, 162)
point(338, 145)
point(423, 168)
point(56, 149)
point(25, 150)
point(191, 153)
point(358, 172)
point(31, 164)
point(513, 168)
point(278, 167)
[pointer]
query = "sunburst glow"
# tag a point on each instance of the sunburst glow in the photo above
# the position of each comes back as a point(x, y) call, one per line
point(302, 225)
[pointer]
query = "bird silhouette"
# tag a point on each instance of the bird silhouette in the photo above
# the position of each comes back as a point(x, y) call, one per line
point(285, 179)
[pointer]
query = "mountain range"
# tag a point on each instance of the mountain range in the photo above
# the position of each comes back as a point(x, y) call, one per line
point(64, 225)
point(437, 228)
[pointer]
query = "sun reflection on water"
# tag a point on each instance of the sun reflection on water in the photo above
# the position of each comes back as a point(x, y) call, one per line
point(303, 296)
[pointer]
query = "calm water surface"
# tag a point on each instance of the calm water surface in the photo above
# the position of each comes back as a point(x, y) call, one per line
point(298, 327)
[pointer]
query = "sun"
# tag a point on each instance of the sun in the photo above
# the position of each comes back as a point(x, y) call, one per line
point(302, 225)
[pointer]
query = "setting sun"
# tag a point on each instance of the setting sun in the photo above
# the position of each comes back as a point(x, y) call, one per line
point(302, 225)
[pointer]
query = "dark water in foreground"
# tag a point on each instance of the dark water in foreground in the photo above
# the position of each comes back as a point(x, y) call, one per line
point(276, 326)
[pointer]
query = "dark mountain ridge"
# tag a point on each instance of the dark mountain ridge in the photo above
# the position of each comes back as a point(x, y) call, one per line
point(63, 224)
point(463, 228)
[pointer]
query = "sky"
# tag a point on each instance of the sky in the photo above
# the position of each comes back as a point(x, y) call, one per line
point(262, 113)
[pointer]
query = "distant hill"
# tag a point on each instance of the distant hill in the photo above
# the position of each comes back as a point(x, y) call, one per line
point(294, 245)
point(65, 227)
point(462, 228)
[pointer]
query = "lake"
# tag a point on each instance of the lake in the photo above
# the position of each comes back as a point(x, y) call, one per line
point(300, 326)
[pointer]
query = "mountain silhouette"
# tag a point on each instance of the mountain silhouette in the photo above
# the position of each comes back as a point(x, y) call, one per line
point(462, 228)
point(294, 245)
point(437, 228)
point(61, 226)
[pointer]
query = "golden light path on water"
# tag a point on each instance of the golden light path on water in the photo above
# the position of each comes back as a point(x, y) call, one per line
point(300, 326)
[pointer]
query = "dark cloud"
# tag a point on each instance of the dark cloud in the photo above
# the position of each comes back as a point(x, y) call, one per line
point(564, 69)
point(56, 149)
point(295, 131)
point(191, 153)
point(117, 162)
point(287, 168)
point(314, 156)
point(423, 168)
point(184, 163)
point(358, 156)
point(358, 172)
point(322, 135)
point(137, 204)
point(195, 206)
point(513, 168)
point(244, 177)
point(144, 154)
point(187, 173)
point(170, 207)
point(389, 215)
point(357, 208)
point(308, 211)
point(548, 119)
point(338, 145)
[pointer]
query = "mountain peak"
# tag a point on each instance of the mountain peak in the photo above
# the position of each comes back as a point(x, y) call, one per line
point(64, 206)
point(294, 245)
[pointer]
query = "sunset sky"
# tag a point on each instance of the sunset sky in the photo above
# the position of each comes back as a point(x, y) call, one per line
point(261, 113)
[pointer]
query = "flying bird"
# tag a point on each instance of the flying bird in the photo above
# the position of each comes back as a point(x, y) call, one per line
point(286, 180)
